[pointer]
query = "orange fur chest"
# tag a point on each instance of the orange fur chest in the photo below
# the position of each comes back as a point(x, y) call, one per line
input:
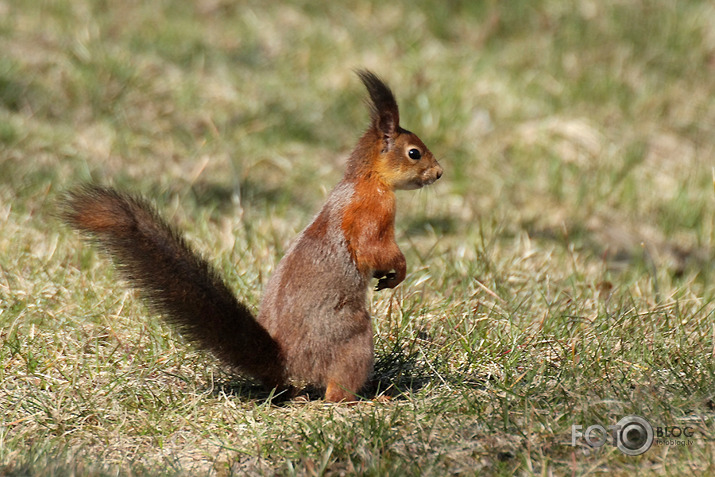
point(368, 224)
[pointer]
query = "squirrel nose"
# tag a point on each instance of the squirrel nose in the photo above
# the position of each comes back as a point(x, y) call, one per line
point(439, 171)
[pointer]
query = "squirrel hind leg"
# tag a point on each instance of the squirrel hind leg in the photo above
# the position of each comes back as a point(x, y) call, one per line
point(351, 368)
point(335, 392)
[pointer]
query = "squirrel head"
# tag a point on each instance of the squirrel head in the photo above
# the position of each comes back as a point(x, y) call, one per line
point(399, 157)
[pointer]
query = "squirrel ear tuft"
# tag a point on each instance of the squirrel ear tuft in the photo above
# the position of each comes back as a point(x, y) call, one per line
point(383, 107)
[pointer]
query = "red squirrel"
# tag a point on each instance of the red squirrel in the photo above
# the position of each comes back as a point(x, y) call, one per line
point(313, 326)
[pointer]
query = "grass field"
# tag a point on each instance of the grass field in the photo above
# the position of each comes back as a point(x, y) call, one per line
point(559, 274)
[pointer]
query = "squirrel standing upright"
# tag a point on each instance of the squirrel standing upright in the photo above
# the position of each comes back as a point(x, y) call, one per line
point(313, 325)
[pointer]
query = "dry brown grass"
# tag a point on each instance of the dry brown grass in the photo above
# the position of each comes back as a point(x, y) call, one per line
point(560, 273)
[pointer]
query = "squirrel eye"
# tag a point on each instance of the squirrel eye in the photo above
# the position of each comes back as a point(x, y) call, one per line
point(414, 154)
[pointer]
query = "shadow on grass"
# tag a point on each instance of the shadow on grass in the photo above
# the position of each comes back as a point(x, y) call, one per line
point(396, 376)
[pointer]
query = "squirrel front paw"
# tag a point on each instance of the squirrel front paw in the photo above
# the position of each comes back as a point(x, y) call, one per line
point(389, 280)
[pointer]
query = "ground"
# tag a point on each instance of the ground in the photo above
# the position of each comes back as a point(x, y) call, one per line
point(560, 274)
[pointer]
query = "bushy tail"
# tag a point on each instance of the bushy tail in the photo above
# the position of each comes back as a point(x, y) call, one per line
point(174, 280)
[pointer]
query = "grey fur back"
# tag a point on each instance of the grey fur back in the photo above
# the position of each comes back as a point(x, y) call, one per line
point(320, 307)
